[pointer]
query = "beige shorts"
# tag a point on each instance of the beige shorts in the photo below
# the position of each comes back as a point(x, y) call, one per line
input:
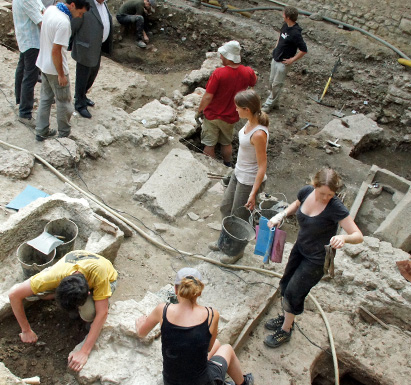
point(216, 131)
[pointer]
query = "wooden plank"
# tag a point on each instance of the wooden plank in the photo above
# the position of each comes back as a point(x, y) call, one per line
point(253, 322)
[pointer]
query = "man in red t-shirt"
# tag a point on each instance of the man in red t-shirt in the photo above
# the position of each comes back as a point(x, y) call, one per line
point(218, 101)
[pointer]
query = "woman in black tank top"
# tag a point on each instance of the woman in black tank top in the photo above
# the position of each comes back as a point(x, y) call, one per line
point(191, 353)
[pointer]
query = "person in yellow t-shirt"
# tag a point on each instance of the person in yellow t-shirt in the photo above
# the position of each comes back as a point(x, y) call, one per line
point(80, 281)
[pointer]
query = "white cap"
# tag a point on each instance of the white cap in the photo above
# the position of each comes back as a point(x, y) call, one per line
point(231, 51)
point(187, 272)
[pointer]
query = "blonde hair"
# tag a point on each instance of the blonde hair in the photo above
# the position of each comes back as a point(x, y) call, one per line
point(251, 100)
point(327, 177)
point(190, 288)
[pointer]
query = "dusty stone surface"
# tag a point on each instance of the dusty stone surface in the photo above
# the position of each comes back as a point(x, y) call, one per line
point(358, 130)
point(7, 378)
point(62, 153)
point(179, 175)
point(153, 137)
point(135, 361)
point(153, 114)
point(16, 164)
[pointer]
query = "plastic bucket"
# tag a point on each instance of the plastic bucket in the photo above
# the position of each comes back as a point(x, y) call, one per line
point(65, 230)
point(235, 235)
point(33, 261)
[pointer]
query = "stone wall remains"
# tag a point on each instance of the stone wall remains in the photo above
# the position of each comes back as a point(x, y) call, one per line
point(390, 20)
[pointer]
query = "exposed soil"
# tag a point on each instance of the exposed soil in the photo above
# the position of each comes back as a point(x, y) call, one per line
point(294, 156)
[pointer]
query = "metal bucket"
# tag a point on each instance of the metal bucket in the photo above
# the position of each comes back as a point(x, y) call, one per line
point(63, 229)
point(32, 260)
point(235, 235)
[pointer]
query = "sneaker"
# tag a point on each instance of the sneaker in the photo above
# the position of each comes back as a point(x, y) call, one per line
point(29, 122)
point(266, 108)
point(213, 246)
point(248, 379)
point(226, 180)
point(141, 44)
point(49, 134)
point(278, 338)
point(275, 323)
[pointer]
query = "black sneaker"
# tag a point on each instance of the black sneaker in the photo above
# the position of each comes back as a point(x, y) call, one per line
point(278, 338)
point(248, 380)
point(49, 134)
point(275, 323)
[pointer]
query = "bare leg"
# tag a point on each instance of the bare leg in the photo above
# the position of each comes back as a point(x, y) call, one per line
point(227, 152)
point(145, 37)
point(234, 368)
point(213, 350)
point(209, 151)
point(288, 321)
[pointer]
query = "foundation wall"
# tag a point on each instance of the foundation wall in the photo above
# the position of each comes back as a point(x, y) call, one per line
point(390, 20)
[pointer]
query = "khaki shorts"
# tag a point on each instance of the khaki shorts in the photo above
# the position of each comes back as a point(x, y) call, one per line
point(216, 131)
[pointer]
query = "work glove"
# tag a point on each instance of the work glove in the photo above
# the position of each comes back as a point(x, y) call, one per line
point(199, 117)
point(276, 219)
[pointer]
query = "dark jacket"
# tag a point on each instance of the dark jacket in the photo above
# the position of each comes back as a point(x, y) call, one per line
point(290, 39)
point(87, 35)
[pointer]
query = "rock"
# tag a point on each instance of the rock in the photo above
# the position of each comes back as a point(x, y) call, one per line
point(196, 77)
point(160, 227)
point(105, 244)
point(177, 96)
point(215, 226)
point(358, 130)
point(139, 179)
point(167, 101)
point(16, 164)
point(193, 216)
point(154, 114)
point(405, 25)
point(62, 153)
point(154, 138)
point(7, 378)
point(173, 187)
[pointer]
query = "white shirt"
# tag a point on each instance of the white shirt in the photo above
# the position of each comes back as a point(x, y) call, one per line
point(102, 10)
point(56, 29)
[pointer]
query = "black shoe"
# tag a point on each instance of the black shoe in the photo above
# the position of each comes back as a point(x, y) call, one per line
point(90, 103)
point(49, 134)
point(275, 323)
point(278, 338)
point(84, 112)
point(248, 380)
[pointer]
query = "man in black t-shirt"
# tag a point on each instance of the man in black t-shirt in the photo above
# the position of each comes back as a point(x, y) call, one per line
point(284, 54)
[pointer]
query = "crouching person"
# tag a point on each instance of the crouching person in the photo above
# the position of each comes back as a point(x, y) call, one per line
point(191, 353)
point(81, 282)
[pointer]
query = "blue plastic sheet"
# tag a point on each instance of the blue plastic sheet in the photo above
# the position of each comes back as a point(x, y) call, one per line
point(265, 239)
point(28, 195)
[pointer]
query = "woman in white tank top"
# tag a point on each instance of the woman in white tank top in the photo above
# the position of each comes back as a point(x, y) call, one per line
point(249, 175)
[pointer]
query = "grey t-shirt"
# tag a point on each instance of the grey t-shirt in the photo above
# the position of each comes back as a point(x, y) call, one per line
point(316, 231)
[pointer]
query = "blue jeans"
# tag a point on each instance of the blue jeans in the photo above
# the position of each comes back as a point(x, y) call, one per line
point(140, 22)
point(26, 78)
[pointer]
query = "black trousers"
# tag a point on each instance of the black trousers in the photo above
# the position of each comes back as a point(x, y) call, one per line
point(300, 276)
point(85, 77)
point(26, 78)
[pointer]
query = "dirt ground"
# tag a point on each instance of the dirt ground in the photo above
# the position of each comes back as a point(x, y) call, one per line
point(294, 155)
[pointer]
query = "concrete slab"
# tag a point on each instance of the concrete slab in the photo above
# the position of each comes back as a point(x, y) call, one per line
point(178, 181)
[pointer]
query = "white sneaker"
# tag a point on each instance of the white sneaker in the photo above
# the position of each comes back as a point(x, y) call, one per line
point(141, 44)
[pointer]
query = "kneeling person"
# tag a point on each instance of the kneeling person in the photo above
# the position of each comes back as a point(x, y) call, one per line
point(80, 282)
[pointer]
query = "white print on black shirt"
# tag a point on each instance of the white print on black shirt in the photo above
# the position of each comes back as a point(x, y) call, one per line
point(284, 35)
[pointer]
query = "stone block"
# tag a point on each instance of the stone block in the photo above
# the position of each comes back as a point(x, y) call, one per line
point(16, 164)
point(153, 138)
point(63, 153)
point(178, 181)
point(154, 114)
point(358, 130)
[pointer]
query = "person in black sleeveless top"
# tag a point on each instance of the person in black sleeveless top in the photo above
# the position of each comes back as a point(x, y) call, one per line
point(191, 353)
point(319, 212)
